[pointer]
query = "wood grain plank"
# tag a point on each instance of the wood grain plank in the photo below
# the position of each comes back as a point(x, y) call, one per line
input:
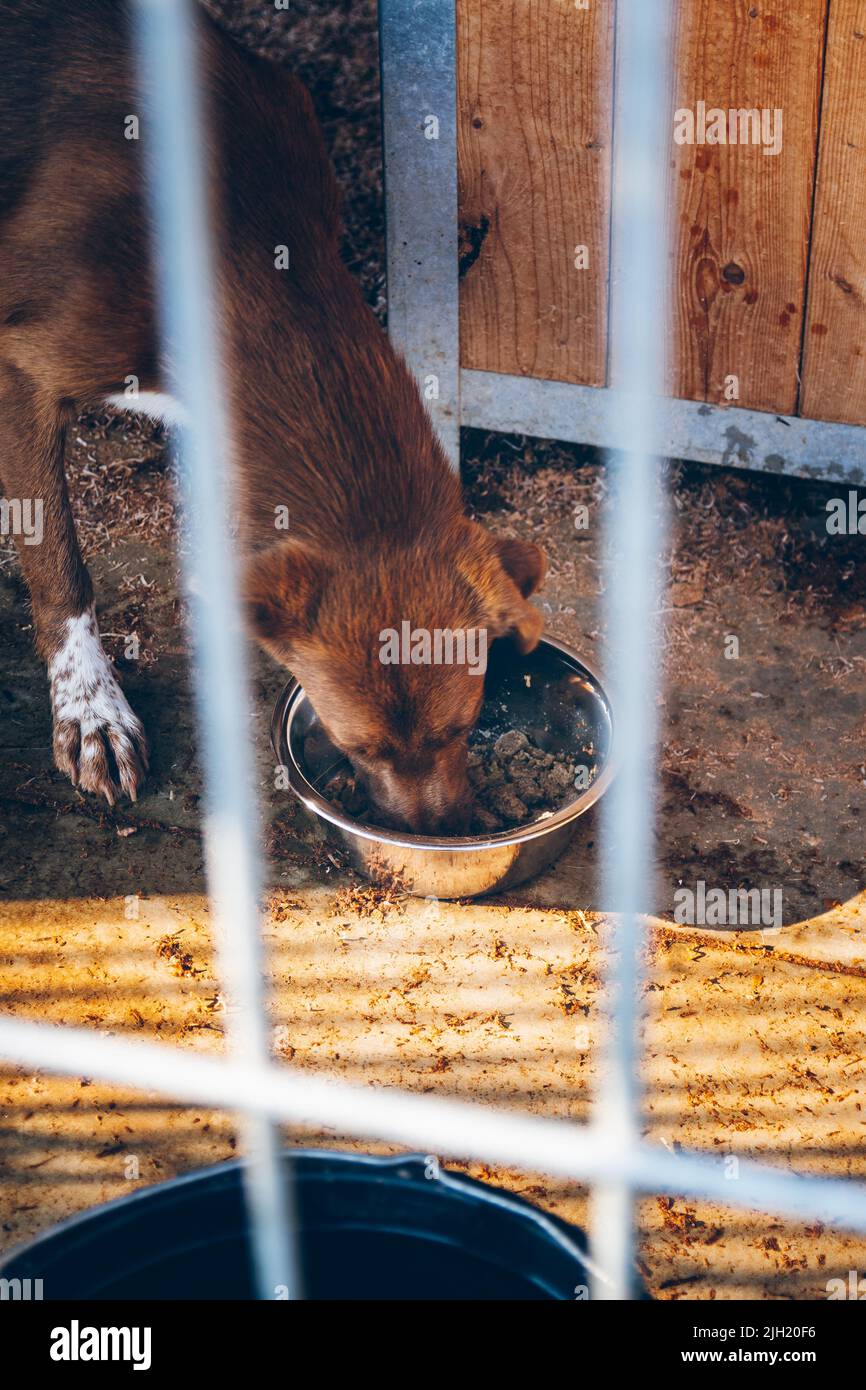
point(742, 218)
point(535, 86)
point(834, 359)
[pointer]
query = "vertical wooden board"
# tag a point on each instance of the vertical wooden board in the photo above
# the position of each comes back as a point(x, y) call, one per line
point(834, 360)
point(739, 240)
point(535, 86)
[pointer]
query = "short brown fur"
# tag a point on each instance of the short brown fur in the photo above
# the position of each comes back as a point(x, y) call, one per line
point(327, 420)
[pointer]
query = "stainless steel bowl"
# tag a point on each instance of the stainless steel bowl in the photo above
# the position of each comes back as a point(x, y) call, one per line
point(552, 694)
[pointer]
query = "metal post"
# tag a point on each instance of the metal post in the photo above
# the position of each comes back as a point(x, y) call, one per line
point(419, 130)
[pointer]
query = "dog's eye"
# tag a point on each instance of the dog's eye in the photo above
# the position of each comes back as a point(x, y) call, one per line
point(442, 741)
point(368, 754)
point(459, 730)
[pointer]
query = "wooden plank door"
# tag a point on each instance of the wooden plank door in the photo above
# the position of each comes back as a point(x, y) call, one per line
point(535, 90)
point(742, 217)
point(834, 360)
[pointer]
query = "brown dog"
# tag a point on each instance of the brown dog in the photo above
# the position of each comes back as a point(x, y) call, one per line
point(329, 426)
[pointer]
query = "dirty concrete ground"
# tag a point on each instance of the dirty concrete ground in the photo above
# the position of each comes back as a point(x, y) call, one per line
point(754, 1043)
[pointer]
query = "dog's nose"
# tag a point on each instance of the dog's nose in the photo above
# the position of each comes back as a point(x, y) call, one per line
point(454, 822)
point(428, 801)
point(421, 816)
point(420, 820)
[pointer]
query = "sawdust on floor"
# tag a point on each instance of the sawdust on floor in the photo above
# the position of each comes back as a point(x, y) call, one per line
point(746, 1054)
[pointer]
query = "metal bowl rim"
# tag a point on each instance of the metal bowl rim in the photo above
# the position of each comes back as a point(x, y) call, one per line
point(288, 702)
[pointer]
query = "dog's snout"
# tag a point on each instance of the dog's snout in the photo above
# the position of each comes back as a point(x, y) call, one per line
point(434, 801)
point(427, 821)
point(431, 821)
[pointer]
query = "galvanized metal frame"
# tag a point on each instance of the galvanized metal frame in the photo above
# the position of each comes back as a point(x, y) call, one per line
point(608, 1153)
point(727, 436)
point(418, 55)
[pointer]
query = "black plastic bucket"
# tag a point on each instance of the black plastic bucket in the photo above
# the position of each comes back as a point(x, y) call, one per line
point(370, 1228)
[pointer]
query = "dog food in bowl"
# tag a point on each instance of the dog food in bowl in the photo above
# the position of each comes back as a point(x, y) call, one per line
point(546, 702)
point(514, 782)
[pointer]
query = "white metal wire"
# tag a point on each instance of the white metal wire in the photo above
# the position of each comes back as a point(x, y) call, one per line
point(608, 1154)
point(585, 1153)
point(172, 135)
point(634, 538)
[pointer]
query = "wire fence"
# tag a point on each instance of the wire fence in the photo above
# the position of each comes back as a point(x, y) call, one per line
point(608, 1153)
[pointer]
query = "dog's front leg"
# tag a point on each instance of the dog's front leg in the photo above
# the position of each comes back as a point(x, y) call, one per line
point(98, 741)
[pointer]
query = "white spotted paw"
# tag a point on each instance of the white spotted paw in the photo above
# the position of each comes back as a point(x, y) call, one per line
point(98, 742)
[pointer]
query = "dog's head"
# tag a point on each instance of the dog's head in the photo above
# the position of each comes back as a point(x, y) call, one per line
point(390, 646)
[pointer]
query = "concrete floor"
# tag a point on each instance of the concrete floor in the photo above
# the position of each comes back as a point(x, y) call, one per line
point(754, 1042)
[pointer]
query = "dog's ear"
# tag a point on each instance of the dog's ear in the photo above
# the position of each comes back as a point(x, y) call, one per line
point(524, 562)
point(503, 574)
point(282, 590)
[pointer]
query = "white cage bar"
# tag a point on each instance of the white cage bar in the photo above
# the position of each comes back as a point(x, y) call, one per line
point(634, 542)
point(608, 1154)
point(177, 167)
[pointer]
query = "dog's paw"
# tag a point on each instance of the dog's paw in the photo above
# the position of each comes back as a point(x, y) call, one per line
point(98, 741)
